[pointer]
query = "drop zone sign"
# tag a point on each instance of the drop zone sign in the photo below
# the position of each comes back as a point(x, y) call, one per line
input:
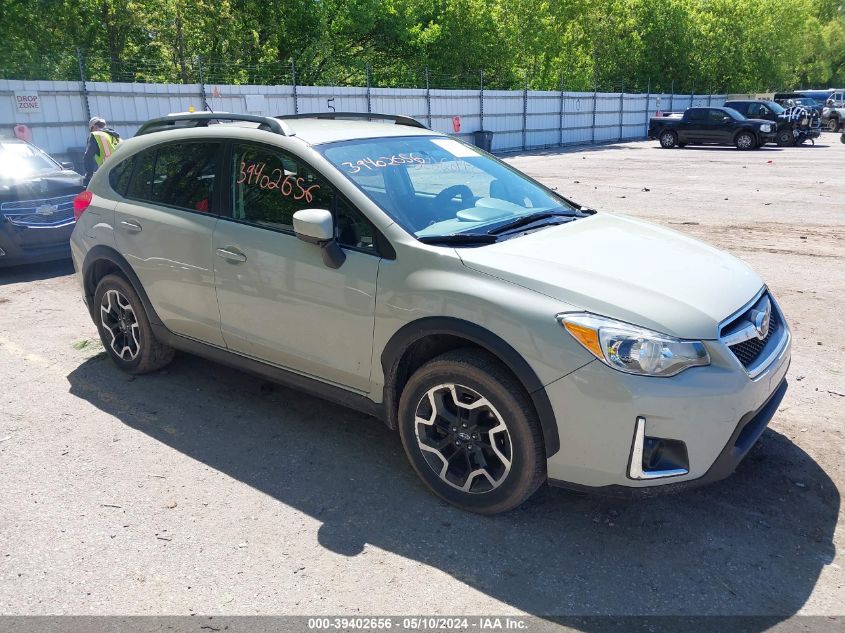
point(27, 102)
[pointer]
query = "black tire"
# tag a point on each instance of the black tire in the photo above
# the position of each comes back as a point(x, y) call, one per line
point(745, 141)
point(832, 125)
point(785, 138)
point(474, 374)
point(129, 339)
point(668, 139)
point(842, 138)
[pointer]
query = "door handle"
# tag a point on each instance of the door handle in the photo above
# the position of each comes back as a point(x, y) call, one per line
point(231, 254)
point(131, 226)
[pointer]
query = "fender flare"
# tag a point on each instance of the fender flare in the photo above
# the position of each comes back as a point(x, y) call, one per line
point(414, 331)
point(107, 253)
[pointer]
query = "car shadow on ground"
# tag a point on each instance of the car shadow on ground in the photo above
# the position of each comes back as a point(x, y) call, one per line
point(35, 272)
point(752, 544)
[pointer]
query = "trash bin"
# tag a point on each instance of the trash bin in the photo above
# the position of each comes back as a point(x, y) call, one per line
point(483, 140)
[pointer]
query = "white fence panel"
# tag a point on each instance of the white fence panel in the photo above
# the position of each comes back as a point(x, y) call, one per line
point(518, 119)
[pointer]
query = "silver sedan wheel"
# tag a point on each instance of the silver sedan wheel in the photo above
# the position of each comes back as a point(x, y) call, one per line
point(119, 321)
point(463, 438)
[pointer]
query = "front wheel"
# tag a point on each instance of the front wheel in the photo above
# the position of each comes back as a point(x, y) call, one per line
point(745, 141)
point(785, 138)
point(668, 139)
point(471, 433)
point(832, 125)
point(125, 329)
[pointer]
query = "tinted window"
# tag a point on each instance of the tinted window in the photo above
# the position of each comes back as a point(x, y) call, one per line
point(176, 175)
point(717, 116)
point(742, 108)
point(142, 179)
point(184, 175)
point(353, 229)
point(120, 175)
point(697, 114)
point(270, 186)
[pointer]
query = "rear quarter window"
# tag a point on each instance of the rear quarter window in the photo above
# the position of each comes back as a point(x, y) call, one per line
point(120, 175)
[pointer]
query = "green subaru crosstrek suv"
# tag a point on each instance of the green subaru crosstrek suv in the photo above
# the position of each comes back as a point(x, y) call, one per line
point(511, 336)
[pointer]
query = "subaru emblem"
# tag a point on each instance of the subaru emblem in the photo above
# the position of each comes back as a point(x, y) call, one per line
point(761, 319)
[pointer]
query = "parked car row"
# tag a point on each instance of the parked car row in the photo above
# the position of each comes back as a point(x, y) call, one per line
point(745, 123)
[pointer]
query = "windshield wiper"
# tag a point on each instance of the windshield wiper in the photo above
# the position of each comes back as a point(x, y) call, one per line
point(525, 220)
point(459, 238)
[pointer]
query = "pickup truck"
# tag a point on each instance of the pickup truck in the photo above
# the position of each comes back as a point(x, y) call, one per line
point(789, 131)
point(721, 126)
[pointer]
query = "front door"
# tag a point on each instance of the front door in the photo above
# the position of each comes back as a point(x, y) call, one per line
point(164, 229)
point(279, 302)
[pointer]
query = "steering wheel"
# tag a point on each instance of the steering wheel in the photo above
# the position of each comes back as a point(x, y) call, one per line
point(443, 200)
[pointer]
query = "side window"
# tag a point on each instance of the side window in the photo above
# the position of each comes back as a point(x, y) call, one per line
point(178, 175)
point(353, 229)
point(184, 175)
point(269, 187)
point(120, 175)
point(717, 116)
point(697, 114)
point(139, 188)
point(754, 109)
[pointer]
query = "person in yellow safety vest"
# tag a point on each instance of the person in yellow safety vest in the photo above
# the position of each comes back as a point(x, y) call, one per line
point(101, 143)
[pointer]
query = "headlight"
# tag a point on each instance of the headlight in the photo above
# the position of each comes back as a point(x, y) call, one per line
point(632, 349)
point(766, 128)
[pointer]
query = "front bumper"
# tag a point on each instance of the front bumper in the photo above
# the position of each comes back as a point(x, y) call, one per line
point(50, 244)
point(718, 412)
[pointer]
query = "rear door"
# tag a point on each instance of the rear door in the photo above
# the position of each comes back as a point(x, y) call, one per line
point(163, 228)
point(694, 126)
point(279, 302)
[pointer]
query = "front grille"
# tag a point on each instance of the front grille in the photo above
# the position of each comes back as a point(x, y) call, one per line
point(46, 212)
point(740, 335)
point(749, 351)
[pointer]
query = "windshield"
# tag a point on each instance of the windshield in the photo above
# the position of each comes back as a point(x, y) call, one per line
point(19, 160)
point(736, 116)
point(805, 101)
point(434, 186)
point(775, 107)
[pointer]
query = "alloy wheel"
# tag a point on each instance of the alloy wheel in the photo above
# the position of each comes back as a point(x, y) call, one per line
point(744, 141)
point(463, 438)
point(119, 320)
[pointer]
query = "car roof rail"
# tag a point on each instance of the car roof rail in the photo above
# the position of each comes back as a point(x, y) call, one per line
point(398, 119)
point(202, 119)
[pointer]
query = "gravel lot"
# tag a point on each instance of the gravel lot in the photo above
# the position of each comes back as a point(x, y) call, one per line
point(203, 490)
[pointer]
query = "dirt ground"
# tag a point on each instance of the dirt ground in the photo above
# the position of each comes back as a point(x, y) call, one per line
point(202, 490)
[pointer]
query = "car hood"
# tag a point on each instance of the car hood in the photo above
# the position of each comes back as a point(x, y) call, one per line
point(46, 185)
point(626, 269)
point(760, 121)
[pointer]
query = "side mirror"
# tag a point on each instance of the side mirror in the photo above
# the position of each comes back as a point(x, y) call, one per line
point(67, 165)
point(316, 226)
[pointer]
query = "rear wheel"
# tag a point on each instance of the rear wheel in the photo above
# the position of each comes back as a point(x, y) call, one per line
point(125, 329)
point(668, 139)
point(832, 125)
point(745, 141)
point(471, 433)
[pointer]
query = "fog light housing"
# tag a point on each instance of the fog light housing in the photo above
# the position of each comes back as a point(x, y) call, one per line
point(656, 457)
